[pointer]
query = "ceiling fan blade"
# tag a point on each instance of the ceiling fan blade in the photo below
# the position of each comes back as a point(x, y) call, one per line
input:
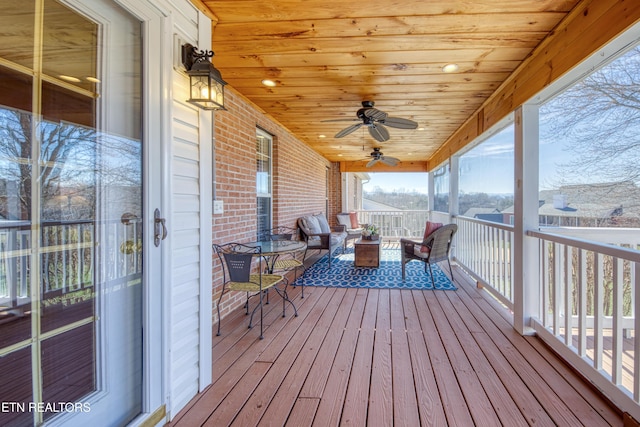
point(400, 123)
point(340, 120)
point(372, 162)
point(379, 133)
point(375, 114)
point(389, 161)
point(348, 130)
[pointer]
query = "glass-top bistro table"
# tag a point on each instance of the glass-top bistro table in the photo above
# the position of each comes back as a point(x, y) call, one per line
point(270, 251)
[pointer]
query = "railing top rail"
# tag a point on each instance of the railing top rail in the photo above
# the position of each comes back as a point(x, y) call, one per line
point(589, 245)
point(506, 227)
point(53, 223)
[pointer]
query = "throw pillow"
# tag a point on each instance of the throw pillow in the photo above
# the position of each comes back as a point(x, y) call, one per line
point(313, 225)
point(324, 224)
point(430, 228)
point(354, 220)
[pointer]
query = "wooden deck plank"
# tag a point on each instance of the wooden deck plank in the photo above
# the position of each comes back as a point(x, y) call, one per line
point(453, 401)
point(475, 395)
point(428, 398)
point(330, 408)
point(229, 374)
point(405, 405)
point(303, 413)
point(236, 398)
point(259, 402)
point(355, 320)
point(558, 397)
point(402, 358)
point(240, 339)
point(294, 381)
point(412, 323)
point(503, 404)
point(517, 390)
point(356, 402)
point(317, 378)
point(370, 310)
point(381, 394)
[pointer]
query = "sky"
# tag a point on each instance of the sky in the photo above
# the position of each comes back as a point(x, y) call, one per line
point(398, 181)
point(487, 168)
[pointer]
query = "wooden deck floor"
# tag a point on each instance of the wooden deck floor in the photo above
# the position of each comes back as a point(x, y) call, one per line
point(390, 357)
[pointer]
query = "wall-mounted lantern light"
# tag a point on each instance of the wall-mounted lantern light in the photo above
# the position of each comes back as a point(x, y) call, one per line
point(205, 81)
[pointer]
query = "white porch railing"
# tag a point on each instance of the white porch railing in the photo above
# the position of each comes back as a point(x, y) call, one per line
point(67, 257)
point(588, 305)
point(587, 299)
point(484, 250)
point(396, 224)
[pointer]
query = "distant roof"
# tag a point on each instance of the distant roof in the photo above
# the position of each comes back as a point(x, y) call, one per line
point(472, 212)
point(370, 205)
point(598, 200)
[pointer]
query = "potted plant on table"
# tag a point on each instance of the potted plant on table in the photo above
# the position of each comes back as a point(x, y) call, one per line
point(370, 232)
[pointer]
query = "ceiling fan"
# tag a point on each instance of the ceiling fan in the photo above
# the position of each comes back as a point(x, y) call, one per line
point(376, 121)
point(377, 156)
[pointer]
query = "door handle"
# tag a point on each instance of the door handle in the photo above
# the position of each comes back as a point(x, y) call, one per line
point(159, 228)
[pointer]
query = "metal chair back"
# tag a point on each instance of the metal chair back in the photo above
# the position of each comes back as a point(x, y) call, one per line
point(238, 259)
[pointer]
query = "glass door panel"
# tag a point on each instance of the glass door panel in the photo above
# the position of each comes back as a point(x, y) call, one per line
point(70, 213)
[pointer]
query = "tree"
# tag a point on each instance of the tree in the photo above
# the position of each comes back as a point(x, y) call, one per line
point(599, 120)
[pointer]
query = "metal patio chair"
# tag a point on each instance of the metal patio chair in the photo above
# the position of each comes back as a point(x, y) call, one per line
point(237, 261)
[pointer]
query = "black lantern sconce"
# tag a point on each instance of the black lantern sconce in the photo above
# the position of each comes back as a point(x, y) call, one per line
point(205, 82)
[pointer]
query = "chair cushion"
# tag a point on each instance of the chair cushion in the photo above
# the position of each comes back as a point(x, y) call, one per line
point(429, 228)
point(344, 219)
point(323, 223)
point(417, 251)
point(338, 237)
point(287, 264)
point(268, 281)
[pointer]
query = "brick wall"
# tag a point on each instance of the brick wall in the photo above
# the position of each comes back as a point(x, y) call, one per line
point(299, 181)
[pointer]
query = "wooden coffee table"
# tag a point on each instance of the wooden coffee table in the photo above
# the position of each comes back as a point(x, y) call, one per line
point(367, 253)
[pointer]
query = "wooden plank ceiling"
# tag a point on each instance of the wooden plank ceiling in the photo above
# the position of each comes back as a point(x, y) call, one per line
point(327, 56)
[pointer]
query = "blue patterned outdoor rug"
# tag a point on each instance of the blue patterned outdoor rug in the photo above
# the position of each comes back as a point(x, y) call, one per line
point(344, 274)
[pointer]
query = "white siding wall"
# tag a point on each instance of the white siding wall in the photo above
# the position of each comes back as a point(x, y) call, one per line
point(189, 245)
point(185, 256)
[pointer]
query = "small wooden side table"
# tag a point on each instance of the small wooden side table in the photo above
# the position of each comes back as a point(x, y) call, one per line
point(367, 253)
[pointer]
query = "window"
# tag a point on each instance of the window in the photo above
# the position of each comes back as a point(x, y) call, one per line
point(264, 144)
point(589, 149)
point(486, 177)
point(441, 189)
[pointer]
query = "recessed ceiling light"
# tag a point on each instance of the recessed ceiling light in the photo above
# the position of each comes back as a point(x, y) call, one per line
point(93, 80)
point(268, 82)
point(450, 68)
point(339, 155)
point(70, 78)
point(322, 136)
point(420, 128)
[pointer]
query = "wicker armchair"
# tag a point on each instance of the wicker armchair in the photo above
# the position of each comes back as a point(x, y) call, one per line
point(433, 249)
